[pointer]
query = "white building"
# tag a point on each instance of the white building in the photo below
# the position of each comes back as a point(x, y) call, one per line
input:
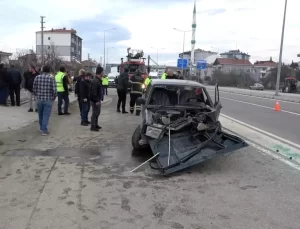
point(200, 54)
point(4, 57)
point(66, 43)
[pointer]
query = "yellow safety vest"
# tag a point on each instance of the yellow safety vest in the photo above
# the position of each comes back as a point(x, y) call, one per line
point(104, 81)
point(164, 76)
point(147, 81)
point(59, 82)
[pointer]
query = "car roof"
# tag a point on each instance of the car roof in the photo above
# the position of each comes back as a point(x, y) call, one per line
point(174, 82)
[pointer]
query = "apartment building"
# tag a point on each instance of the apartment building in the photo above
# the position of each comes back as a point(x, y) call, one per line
point(66, 43)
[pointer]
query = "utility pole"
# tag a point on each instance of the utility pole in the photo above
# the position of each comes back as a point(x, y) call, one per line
point(183, 31)
point(104, 67)
point(157, 49)
point(42, 38)
point(88, 61)
point(280, 52)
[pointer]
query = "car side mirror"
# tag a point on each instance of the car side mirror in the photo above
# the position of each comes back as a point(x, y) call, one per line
point(141, 101)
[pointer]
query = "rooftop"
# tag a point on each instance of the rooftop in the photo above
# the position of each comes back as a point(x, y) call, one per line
point(268, 63)
point(5, 53)
point(231, 61)
point(62, 30)
point(198, 50)
point(232, 52)
point(89, 63)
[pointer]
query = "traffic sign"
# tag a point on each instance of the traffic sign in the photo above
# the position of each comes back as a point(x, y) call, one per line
point(182, 63)
point(201, 65)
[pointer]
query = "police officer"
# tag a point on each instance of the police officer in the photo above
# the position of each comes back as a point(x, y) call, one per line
point(136, 91)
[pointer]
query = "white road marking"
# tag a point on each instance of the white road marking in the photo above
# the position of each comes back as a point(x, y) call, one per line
point(270, 153)
point(262, 131)
point(264, 141)
point(259, 97)
point(253, 104)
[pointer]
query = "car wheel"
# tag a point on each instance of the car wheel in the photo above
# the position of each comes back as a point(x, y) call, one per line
point(136, 137)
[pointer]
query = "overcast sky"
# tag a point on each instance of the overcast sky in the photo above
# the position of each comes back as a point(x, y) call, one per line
point(252, 26)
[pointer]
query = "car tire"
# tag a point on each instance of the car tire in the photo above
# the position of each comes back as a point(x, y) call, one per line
point(136, 137)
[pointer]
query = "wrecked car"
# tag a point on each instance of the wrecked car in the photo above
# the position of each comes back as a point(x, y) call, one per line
point(180, 125)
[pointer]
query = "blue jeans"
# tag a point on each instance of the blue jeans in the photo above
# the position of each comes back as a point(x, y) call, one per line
point(62, 96)
point(3, 95)
point(44, 109)
point(85, 107)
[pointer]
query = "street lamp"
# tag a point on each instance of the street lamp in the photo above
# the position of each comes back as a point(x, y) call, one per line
point(104, 46)
point(183, 31)
point(280, 52)
point(107, 53)
point(157, 52)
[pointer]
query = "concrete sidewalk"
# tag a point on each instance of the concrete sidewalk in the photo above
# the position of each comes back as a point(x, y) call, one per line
point(262, 94)
point(13, 118)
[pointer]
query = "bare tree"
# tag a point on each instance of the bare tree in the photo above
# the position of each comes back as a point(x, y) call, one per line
point(23, 58)
point(52, 58)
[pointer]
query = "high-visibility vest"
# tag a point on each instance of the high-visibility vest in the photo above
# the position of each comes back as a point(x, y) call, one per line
point(147, 81)
point(59, 82)
point(164, 76)
point(104, 81)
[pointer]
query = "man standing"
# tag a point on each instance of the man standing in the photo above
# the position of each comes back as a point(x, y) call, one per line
point(136, 91)
point(15, 85)
point(77, 80)
point(28, 85)
point(4, 82)
point(122, 90)
point(61, 80)
point(44, 90)
point(105, 84)
point(84, 96)
point(96, 98)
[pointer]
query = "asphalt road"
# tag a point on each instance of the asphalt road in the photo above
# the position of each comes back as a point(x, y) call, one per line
point(75, 178)
point(258, 112)
point(268, 93)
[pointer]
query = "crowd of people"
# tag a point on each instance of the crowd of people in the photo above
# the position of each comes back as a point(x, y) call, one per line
point(10, 85)
point(42, 89)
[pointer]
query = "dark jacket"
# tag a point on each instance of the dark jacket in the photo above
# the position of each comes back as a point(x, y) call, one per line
point(136, 84)
point(96, 90)
point(14, 76)
point(77, 85)
point(123, 81)
point(4, 81)
point(65, 84)
point(29, 79)
point(85, 90)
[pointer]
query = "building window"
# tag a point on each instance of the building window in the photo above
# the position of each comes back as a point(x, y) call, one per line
point(49, 47)
point(248, 70)
point(49, 38)
point(73, 49)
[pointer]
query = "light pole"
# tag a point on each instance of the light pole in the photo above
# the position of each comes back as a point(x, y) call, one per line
point(157, 49)
point(104, 46)
point(107, 53)
point(280, 52)
point(183, 31)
